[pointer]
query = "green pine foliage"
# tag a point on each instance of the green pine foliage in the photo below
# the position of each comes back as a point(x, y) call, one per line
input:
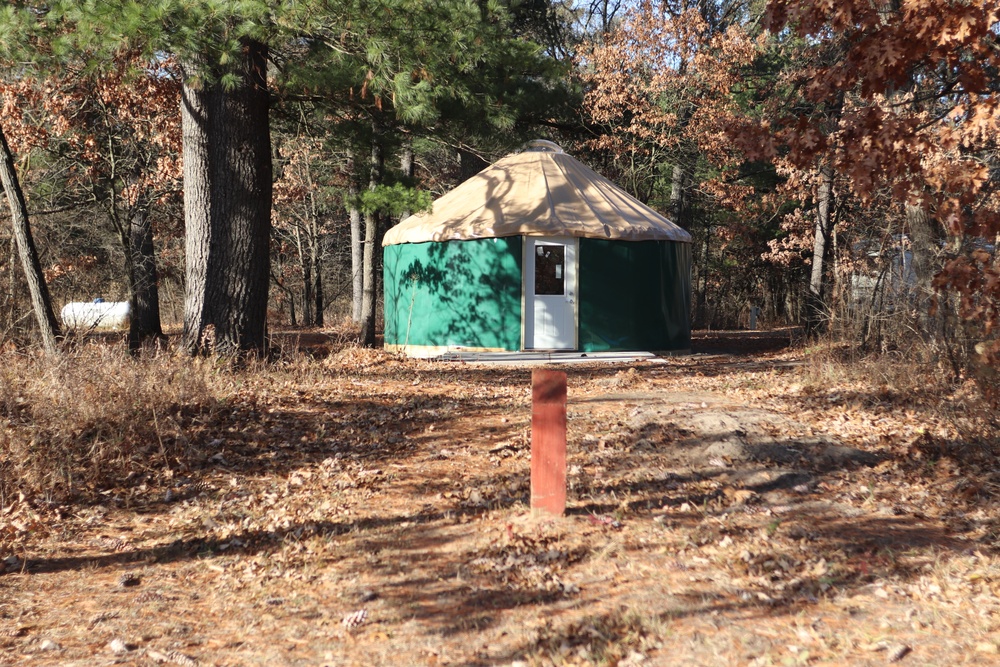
point(452, 67)
point(208, 32)
point(394, 199)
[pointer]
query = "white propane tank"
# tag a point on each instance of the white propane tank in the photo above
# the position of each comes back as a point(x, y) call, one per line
point(97, 315)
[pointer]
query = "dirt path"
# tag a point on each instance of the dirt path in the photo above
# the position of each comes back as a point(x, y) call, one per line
point(378, 516)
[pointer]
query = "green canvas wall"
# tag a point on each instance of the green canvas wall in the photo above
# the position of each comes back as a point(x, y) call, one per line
point(454, 293)
point(634, 295)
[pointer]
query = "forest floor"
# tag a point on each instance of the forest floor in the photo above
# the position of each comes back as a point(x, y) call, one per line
point(749, 505)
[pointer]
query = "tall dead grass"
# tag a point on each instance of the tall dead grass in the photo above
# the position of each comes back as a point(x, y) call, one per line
point(94, 418)
point(918, 379)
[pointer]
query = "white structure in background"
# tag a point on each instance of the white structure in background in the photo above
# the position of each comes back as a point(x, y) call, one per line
point(889, 282)
point(97, 315)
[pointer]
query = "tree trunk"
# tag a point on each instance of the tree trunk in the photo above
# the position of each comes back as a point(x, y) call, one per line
point(305, 265)
point(308, 298)
point(292, 318)
point(369, 300)
point(924, 246)
point(143, 279)
point(373, 243)
point(701, 314)
point(316, 262)
point(357, 244)
point(227, 209)
point(816, 306)
point(406, 169)
point(308, 243)
point(677, 208)
point(41, 303)
point(318, 291)
point(314, 227)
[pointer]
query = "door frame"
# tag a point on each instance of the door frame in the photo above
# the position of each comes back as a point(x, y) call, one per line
point(527, 246)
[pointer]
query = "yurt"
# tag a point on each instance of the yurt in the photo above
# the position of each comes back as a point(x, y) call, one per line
point(537, 252)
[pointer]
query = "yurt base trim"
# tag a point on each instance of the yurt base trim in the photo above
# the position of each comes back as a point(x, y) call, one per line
point(530, 358)
point(430, 351)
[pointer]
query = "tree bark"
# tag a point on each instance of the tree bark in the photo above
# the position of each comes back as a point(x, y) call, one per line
point(677, 207)
point(924, 237)
point(701, 313)
point(305, 264)
point(227, 209)
point(41, 303)
point(357, 244)
point(308, 242)
point(320, 304)
point(315, 252)
point(143, 279)
point(373, 243)
point(816, 306)
point(406, 169)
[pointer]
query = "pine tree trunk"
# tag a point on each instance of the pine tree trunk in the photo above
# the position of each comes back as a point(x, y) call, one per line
point(145, 295)
point(41, 303)
point(357, 245)
point(227, 210)
point(373, 244)
point(369, 298)
point(816, 307)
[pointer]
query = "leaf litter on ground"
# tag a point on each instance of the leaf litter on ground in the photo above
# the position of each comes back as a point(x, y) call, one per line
point(722, 510)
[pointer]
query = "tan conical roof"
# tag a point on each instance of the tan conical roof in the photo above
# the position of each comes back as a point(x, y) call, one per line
point(539, 192)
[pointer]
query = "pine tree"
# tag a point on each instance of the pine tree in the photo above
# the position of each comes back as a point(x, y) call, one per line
point(455, 71)
point(223, 50)
point(390, 64)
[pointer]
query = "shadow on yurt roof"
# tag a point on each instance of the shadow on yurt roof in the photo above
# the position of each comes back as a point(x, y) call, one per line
point(541, 191)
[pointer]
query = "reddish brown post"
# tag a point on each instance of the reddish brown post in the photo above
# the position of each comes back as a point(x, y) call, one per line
point(548, 441)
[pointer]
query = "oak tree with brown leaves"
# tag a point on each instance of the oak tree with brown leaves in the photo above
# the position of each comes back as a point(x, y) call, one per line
point(920, 121)
point(119, 133)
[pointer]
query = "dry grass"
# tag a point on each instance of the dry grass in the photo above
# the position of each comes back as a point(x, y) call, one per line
point(94, 419)
point(918, 380)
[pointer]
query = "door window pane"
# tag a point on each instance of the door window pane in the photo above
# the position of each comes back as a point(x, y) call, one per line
point(549, 273)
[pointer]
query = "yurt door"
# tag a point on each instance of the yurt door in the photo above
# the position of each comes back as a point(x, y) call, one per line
point(550, 293)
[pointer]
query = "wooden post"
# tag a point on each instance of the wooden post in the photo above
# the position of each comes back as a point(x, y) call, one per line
point(548, 441)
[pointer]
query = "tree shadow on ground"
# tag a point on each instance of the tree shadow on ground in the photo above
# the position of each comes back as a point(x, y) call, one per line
point(457, 586)
point(457, 581)
point(741, 343)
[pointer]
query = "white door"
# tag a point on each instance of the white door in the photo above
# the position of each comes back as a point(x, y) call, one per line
point(550, 293)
